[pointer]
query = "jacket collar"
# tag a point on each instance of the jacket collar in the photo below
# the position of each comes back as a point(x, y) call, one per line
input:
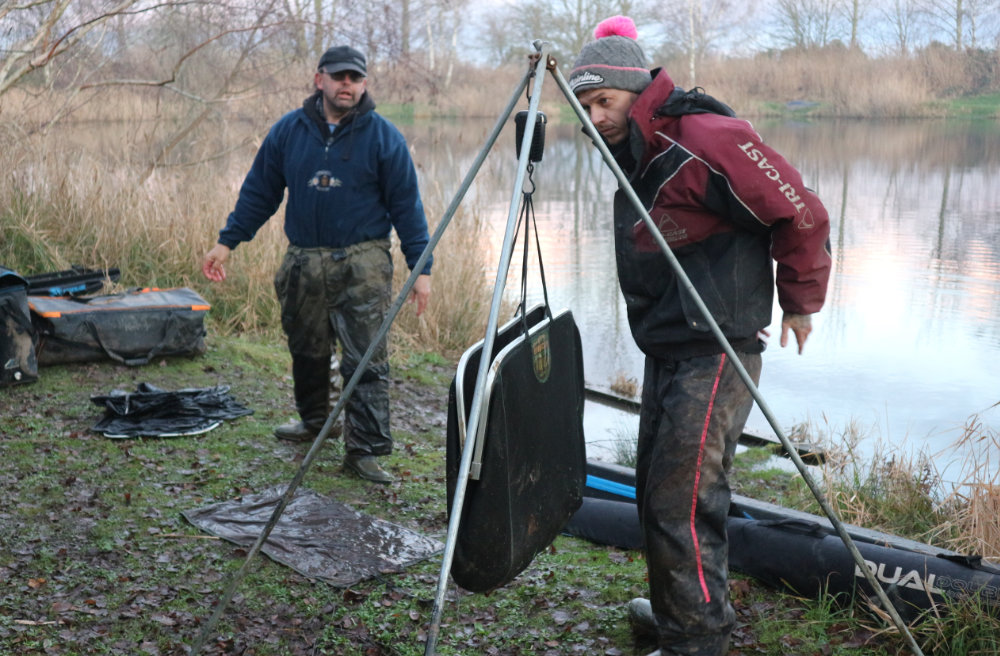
point(644, 108)
point(313, 108)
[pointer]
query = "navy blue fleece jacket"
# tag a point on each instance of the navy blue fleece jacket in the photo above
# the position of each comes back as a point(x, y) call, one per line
point(344, 188)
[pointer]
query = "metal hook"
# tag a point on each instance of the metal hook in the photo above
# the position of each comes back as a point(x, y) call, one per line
point(529, 180)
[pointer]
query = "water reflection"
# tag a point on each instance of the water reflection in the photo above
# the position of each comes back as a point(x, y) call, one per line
point(908, 343)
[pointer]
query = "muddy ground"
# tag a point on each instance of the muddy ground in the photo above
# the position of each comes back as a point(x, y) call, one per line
point(95, 557)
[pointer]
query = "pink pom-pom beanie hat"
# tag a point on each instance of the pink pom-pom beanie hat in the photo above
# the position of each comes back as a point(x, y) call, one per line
point(613, 61)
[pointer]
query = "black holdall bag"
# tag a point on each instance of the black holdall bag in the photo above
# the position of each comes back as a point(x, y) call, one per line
point(18, 363)
point(131, 328)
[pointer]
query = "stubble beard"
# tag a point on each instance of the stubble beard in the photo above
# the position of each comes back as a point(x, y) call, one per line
point(341, 105)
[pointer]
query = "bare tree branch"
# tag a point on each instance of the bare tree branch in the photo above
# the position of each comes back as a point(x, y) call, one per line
point(177, 66)
point(15, 68)
point(808, 23)
point(38, 49)
point(181, 133)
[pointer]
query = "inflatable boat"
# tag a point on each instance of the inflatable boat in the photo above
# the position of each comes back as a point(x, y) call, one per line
point(801, 552)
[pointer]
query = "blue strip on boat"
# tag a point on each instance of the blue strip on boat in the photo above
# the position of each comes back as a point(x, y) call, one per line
point(604, 485)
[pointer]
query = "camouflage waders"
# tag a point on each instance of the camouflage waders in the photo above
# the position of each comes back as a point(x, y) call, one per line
point(693, 412)
point(331, 295)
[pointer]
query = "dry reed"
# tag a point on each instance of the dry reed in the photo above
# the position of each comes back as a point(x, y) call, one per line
point(848, 85)
point(841, 83)
point(975, 502)
point(460, 295)
point(624, 385)
point(891, 489)
point(64, 205)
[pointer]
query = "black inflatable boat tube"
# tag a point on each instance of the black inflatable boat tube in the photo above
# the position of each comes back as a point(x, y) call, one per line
point(803, 556)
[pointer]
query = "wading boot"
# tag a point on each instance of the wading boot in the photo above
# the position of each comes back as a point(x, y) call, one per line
point(295, 431)
point(367, 467)
point(640, 617)
point(311, 377)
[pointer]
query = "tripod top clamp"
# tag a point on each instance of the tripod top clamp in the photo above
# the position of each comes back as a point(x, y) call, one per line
point(550, 61)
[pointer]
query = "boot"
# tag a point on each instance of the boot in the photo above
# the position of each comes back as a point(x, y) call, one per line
point(296, 431)
point(311, 378)
point(640, 617)
point(367, 467)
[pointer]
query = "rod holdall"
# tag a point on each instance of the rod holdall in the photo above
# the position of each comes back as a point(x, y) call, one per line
point(18, 363)
point(130, 328)
point(75, 281)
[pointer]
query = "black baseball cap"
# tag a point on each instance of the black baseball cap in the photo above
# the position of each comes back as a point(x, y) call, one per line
point(343, 58)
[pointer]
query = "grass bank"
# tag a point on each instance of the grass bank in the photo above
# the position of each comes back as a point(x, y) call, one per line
point(98, 560)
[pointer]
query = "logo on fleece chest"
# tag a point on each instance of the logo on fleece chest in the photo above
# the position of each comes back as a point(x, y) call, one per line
point(323, 181)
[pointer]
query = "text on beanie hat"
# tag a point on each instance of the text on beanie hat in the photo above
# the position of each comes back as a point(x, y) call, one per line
point(613, 61)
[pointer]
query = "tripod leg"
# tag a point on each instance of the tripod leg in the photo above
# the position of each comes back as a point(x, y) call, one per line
point(468, 447)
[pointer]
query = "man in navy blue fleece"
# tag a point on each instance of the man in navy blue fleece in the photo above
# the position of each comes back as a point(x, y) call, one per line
point(350, 181)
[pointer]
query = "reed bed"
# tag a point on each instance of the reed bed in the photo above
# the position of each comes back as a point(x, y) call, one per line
point(461, 290)
point(838, 82)
point(896, 490)
point(62, 206)
point(831, 82)
point(892, 490)
point(848, 85)
point(976, 501)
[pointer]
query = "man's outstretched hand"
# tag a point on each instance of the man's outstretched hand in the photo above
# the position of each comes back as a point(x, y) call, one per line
point(212, 265)
point(800, 324)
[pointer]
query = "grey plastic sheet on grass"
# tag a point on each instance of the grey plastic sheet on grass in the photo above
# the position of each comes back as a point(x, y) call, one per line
point(317, 536)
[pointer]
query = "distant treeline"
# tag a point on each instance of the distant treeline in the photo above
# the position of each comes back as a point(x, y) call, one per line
point(174, 59)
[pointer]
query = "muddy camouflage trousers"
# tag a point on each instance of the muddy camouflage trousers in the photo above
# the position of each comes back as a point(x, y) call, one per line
point(339, 295)
point(693, 412)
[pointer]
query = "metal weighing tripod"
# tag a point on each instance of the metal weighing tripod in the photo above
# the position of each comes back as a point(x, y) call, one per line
point(536, 72)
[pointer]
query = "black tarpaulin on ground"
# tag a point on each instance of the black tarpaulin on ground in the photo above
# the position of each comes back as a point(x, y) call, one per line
point(316, 536)
point(153, 412)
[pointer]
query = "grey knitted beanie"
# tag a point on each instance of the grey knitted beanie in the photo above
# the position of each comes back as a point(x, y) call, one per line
point(613, 61)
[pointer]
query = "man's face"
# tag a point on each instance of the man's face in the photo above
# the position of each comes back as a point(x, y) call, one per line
point(608, 110)
point(341, 91)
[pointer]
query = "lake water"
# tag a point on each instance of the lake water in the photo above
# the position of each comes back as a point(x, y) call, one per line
point(907, 347)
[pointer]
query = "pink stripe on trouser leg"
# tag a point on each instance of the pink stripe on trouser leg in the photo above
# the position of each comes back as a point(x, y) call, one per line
point(693, 412)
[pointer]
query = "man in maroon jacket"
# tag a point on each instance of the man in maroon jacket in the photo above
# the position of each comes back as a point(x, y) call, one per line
point(729, 207)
